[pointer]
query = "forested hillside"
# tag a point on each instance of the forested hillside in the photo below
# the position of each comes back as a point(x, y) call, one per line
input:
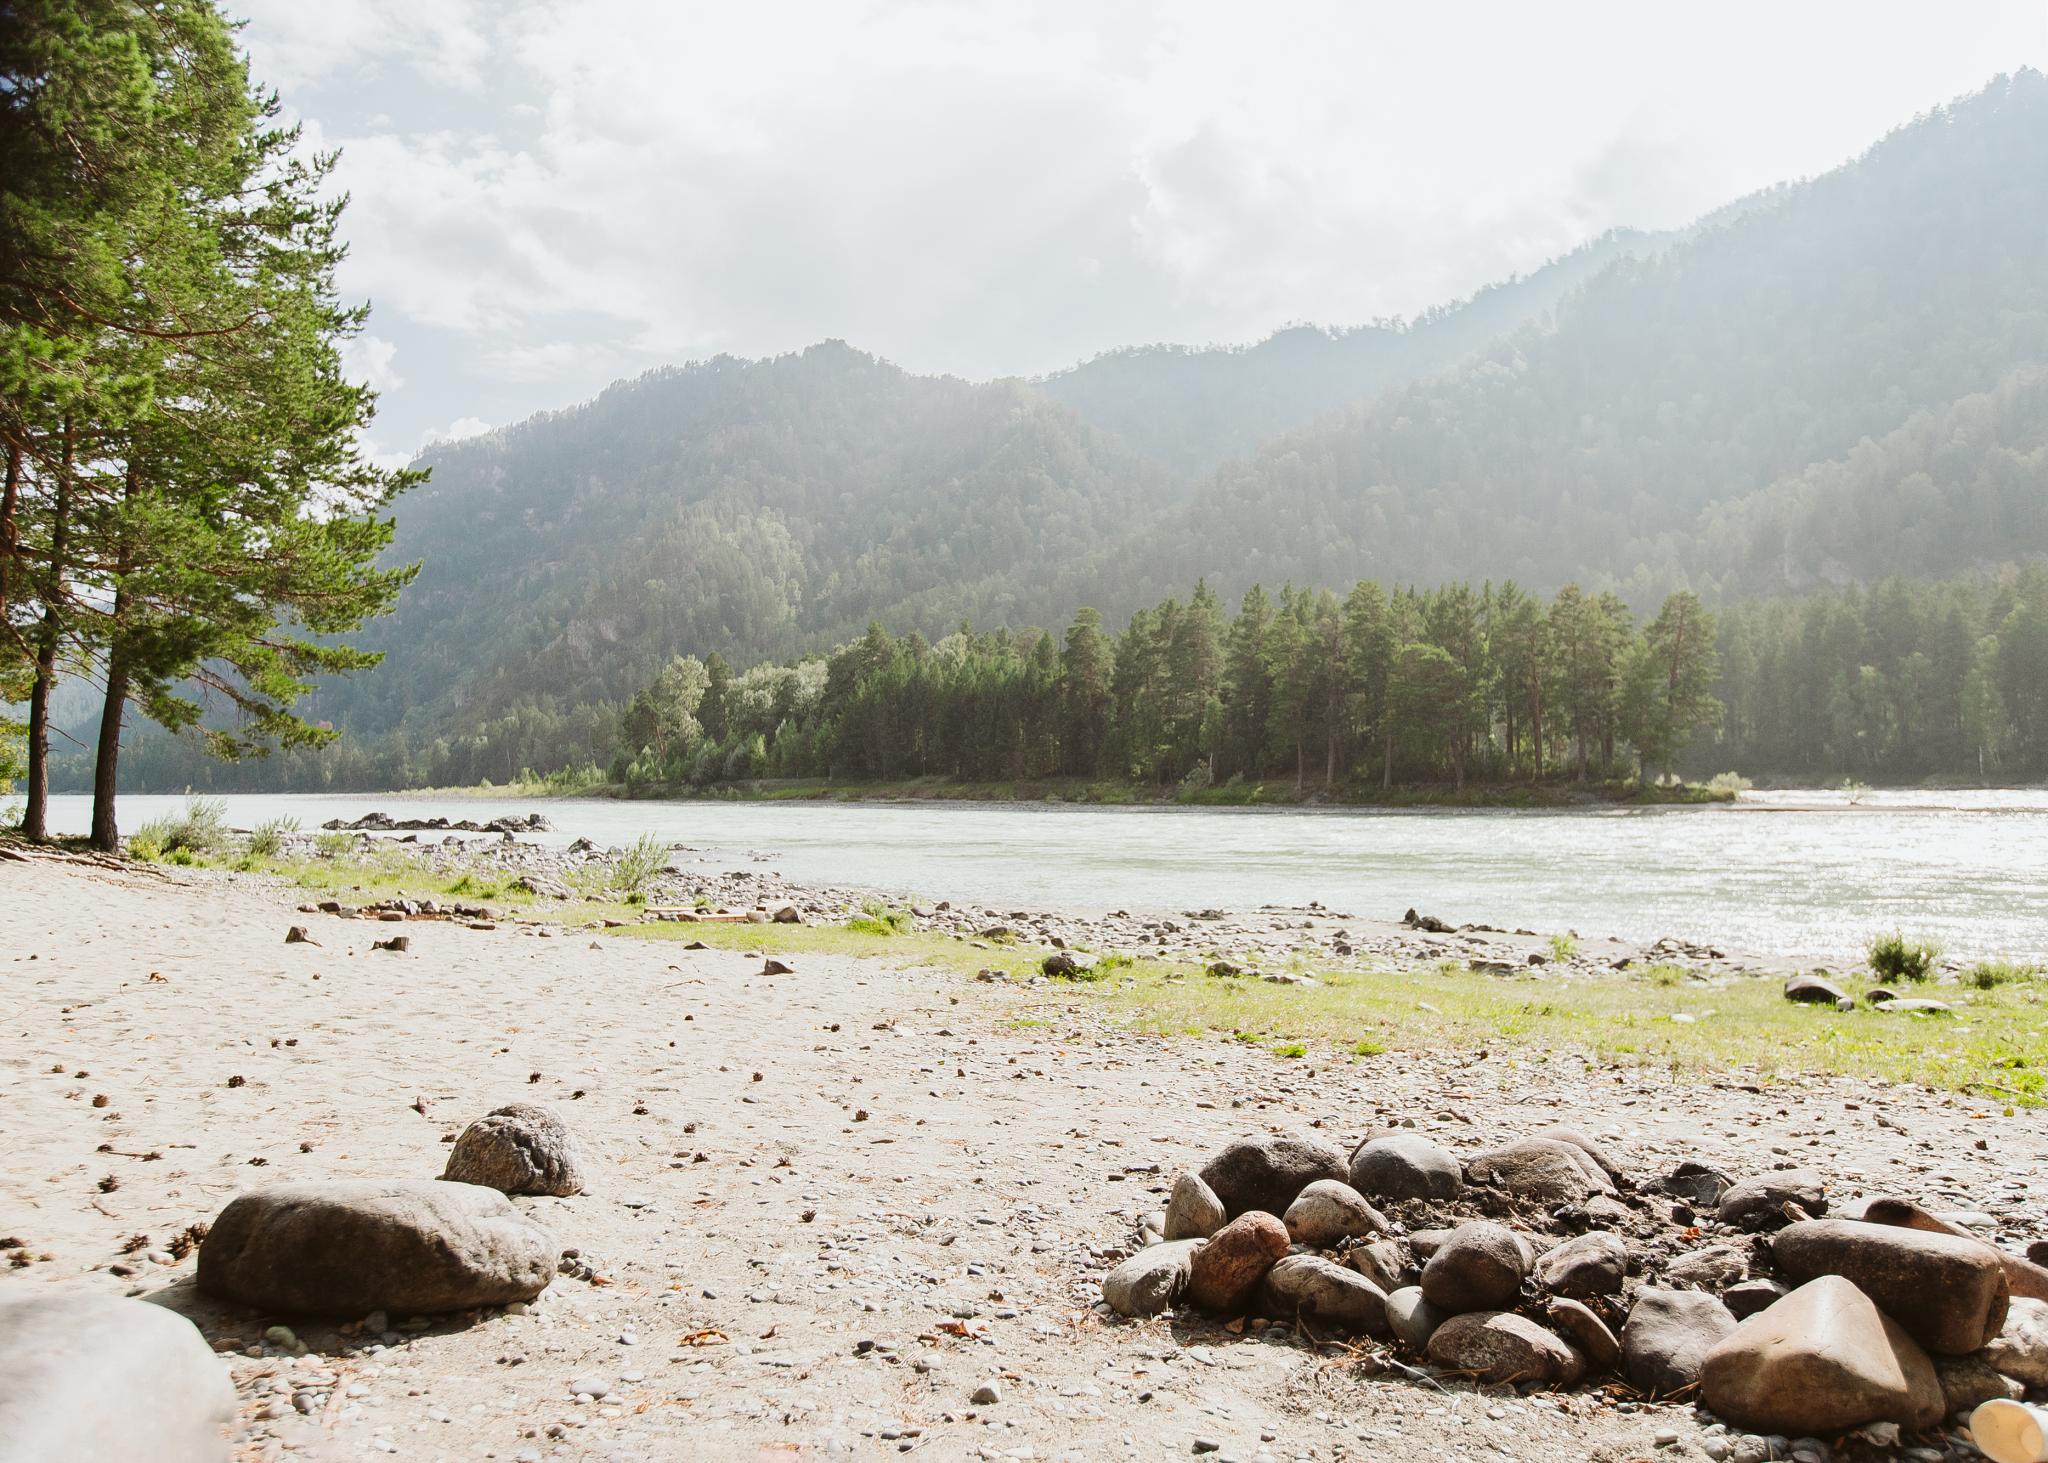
point(1831, 312)
point(1193, 408)
point(1820, 386)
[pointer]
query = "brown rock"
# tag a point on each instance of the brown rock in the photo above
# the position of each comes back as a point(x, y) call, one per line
point(1226, 1270)
point(1821, 1360)
point(1478, 1267)
point(1760, 1203)
point(1949, 1293)
point(1667, 1335)
point(1316, 1289)
point(1586, 1331)
point(1592, 1264)
point(1500, 1346)
point(1540, 1171)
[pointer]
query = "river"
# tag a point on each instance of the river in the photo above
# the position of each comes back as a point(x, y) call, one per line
point(1798, 873)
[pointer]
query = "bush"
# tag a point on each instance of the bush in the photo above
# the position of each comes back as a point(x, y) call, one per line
point(876, 918)
point(1989, 974)
point(1894, 957)
point(638, 864)
point(1727, 784)
point(1563, 947)
point(267, 839)
point(201, 829)
point(332, 844)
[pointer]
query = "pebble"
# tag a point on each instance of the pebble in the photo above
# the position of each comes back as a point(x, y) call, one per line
point(988, 1394)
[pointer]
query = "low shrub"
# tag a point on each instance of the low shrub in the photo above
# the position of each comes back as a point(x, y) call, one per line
point(638, 864)
point(1894, 957)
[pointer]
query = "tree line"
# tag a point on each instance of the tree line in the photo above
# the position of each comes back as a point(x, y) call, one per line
point(187, 519)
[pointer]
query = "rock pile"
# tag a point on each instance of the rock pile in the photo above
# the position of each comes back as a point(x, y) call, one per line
point(1539, 1262)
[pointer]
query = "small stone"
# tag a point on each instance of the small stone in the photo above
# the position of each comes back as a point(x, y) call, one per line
point(1713, 1267)
point(1330, 1211)
point(1151, 1281)
point(1541, 1171)
point(1500, 1346)
point(595, 1388)
point(1595, 1263)
point(988, 1394)
point(1413, 1319)
point(1814, 990)
point(1193, 1211)
point(1760, 1203)
point(522, 1148)
point(1667, 1335)
point(2020, 1349)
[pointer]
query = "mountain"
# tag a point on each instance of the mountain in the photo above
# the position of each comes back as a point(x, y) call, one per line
point(1828, 382)
point(756, 508)
point(1610, 444)
point(1193, 408)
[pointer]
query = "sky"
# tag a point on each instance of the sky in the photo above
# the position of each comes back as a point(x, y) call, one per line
point(549, 195)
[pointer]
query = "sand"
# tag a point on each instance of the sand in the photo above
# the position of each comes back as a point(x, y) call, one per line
point(752, 1230)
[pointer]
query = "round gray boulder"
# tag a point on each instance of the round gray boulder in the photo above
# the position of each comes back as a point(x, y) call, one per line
point(1405, 1166)
point(1268, 1172)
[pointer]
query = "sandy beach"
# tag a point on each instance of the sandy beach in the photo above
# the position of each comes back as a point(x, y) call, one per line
point(830, 1205)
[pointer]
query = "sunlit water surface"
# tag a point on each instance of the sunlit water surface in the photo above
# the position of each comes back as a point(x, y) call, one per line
point(1785, 873)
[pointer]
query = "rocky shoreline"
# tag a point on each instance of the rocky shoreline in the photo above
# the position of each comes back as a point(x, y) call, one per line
point(1261, 940)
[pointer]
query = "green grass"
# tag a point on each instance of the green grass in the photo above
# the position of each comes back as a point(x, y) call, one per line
point(1987, 975)
point(1563, 947)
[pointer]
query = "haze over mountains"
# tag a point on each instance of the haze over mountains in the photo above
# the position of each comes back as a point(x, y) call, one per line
point(1835, 380)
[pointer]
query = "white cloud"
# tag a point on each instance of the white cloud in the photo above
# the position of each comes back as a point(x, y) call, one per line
point(458, 430)
point(367, 359)
point(551, 194)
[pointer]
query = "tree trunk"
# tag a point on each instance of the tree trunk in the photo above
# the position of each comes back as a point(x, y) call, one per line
point(1330, 763)
point(106, 767)
point(35, 812)
point(1387, 761)
point(1300, 763)
point(8, 538)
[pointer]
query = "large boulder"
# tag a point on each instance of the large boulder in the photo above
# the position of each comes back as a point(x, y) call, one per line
point(1500, 1346)
point(1480, 1267)
point(1193, 1211)
point(1542, 1171)
point(1949, 1293)
point(1595, 1263)
point(1330, 1211)
point(346, 1247)
point(1760, 1203)
point(1268, 1172)
point(1667, 1335)
point(1151, 1281)
point(1822, 1360)
point(89, 1376)
point(1405, 1166)
point(1228, 1268)
point(1316, 1289)
point(1412, 1317)
point(522, 1148)
point(2020, 1349)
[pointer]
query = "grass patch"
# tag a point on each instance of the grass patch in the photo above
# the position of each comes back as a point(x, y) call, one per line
point(1563, 947)
point(199, 832)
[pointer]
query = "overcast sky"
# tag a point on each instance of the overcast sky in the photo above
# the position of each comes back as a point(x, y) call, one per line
point(552, 195)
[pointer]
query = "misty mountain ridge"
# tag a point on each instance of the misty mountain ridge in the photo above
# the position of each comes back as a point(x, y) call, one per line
point(1830, 380)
